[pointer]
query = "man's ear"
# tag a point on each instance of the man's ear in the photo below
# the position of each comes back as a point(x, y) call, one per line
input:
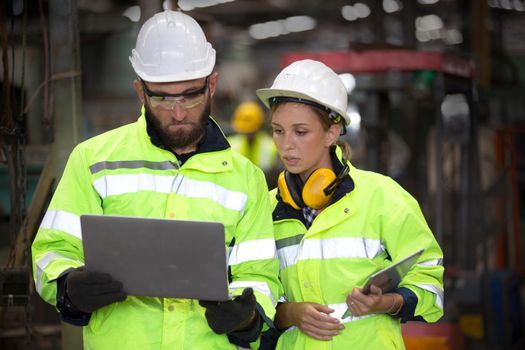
point(140, 91)
point(214, 78)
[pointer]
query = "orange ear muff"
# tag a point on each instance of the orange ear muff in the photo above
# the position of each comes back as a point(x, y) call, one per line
point(313, 193)
point(290, 188)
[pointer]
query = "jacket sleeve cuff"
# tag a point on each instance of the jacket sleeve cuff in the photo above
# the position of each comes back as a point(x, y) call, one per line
point(245, 337)
point(67, 311)
point(409, 307)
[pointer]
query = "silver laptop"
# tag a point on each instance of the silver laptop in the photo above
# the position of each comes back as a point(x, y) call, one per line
point(158, 257)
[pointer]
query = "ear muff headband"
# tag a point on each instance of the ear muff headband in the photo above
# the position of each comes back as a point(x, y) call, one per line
point(328, 190)
point(295, 186)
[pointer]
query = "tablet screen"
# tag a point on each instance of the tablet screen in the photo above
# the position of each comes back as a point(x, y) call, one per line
point(388, 278)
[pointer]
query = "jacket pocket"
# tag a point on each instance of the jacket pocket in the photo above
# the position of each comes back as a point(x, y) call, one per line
point(100, 318)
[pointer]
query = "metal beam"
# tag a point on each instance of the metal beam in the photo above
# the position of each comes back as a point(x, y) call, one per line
point(67, 122)
point(67, 114)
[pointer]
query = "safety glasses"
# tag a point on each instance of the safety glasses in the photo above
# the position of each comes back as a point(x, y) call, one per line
point(186, 100)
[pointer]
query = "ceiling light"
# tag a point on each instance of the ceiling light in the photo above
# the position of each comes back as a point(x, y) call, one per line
point(361, 10)
point(299, 23)
point(391, 6)
point(434, 34)
point(349, 81)
point(422, 36)
point(281, 27)
point(454, 104)
point(166, 5)
point(429, 22)
point(348, 13)
point(265, 30)
point(358, 10)
point(133, 13)
point(355, 118)
point(188, 5)
point(453, 37)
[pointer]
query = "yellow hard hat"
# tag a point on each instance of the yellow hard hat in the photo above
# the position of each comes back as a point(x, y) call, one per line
point(247, 118)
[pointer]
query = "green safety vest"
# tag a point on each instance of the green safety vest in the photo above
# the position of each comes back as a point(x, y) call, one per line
point(262, 152)
point(347, 242)
point(122, 173)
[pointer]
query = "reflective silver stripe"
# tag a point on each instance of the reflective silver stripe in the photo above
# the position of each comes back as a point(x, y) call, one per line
point(287, 256)
point(259, 286)
point(205, 189)
point(259, 249)
point(111, 185)
point(132, 164)
point(340, 310)
point(63, 221)
point(435, 290)
point(41, 265)
point(285, 242)
point(330, 248)
point(338, 313)
point(433, 262)
point(340, 247)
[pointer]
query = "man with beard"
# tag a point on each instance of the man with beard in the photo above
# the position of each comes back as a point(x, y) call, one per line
point(173, 162)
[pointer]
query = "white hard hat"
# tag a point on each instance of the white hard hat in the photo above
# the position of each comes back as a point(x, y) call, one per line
point(171, 46)
point(311, 81)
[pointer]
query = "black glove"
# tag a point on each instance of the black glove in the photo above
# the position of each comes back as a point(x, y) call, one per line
point(232, 315)
point(89, 291)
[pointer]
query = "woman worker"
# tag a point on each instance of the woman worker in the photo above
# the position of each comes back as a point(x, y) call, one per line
point(335, 225)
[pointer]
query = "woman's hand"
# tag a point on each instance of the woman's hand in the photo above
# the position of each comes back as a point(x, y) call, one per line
point(375, 302)
point(311, 318)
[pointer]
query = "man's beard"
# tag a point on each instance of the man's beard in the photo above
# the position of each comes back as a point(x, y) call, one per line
point(179, 138)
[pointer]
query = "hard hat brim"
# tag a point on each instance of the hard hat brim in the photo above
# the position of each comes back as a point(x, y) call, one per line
point(174, 77)
point(265, 95)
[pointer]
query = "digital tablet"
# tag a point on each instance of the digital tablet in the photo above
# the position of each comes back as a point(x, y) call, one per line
point(388, 278)
point(158, 257)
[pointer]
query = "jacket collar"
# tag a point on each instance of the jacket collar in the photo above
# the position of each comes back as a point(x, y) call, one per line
point(347, 185)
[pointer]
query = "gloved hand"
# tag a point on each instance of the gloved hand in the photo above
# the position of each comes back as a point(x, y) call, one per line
point(89, 291)
point(232, 315)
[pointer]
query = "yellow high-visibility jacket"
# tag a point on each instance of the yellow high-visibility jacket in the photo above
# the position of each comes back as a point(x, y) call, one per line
point(371, 222)
point(121, 172)
point(262, 152)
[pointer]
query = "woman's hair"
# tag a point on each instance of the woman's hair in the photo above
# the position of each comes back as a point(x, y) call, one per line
point(326, 123)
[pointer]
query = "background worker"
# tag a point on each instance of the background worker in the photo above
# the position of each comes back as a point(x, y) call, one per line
point(252, 141)
point(173, 162)
point(335, 225)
